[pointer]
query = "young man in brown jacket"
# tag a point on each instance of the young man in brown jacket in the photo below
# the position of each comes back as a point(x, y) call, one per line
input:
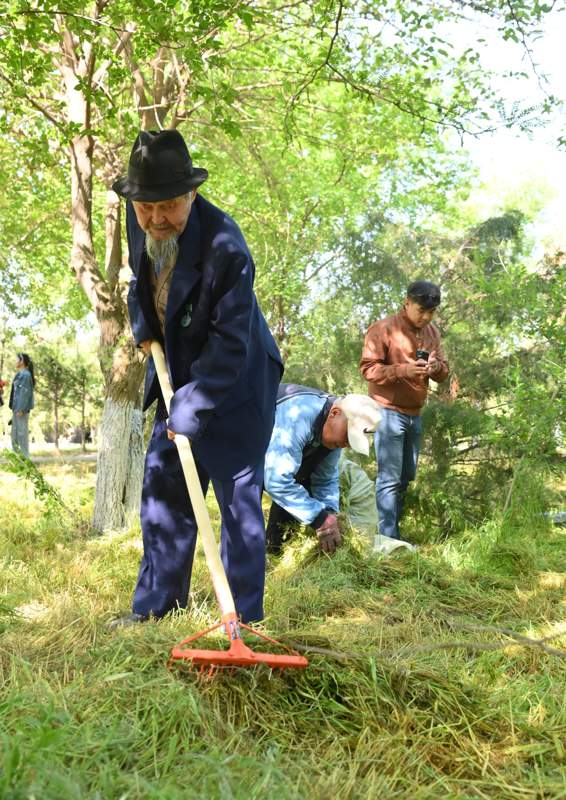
point(401, 353)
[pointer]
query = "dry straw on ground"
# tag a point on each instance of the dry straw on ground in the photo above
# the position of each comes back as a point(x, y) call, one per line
point(431, 676)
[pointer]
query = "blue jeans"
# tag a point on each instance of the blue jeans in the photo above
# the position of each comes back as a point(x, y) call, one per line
point(20, 433)
point(397, 446)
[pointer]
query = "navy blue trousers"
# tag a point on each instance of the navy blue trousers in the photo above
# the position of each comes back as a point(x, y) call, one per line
point(169, 533)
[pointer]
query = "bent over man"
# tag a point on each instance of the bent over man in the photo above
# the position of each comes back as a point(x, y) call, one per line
point(192, 290)
point(301, 463)
point(401, 353)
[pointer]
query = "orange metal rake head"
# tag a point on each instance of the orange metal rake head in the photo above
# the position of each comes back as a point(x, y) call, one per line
point(238, 654)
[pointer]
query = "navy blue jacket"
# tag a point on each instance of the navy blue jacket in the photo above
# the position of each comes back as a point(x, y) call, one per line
point(223, 362)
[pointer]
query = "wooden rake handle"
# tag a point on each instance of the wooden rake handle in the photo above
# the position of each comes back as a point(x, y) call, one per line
point(213, 560)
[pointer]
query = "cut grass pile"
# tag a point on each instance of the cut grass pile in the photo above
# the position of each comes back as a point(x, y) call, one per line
point(416, 689)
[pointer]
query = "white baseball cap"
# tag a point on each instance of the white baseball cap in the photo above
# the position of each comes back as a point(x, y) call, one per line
point(363, 415)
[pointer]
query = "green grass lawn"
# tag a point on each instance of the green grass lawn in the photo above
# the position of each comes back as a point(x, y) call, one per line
point(416, 687)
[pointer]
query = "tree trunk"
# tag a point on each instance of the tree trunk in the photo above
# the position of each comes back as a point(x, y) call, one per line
point(120, 441)
point(118, 466)
point(2, 344)
point(120, 455)
point(134, 478)
point(113, 464)
point(56, 420)
point(83, 404)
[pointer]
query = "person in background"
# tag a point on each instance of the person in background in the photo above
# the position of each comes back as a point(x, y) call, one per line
point(301, 463)
point(401, 354)
point(21, 402)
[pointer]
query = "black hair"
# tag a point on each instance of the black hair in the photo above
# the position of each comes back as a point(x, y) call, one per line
point(425, 293)
point(28, 363)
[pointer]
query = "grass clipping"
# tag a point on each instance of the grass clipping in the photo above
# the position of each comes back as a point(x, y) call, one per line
point(430, 675)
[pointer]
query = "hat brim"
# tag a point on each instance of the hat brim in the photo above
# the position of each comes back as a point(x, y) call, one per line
point(166, 191)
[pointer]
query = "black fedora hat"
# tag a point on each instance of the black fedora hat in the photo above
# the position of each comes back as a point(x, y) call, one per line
point(160, 168)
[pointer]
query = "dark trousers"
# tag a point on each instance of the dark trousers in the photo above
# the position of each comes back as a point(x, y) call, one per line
point(281, 525)
point(279, 529)
point(169, 533)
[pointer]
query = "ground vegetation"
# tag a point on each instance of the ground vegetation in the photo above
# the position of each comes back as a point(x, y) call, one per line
point(438, 674)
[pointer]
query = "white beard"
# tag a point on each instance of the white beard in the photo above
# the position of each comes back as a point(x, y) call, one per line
point(162, 251)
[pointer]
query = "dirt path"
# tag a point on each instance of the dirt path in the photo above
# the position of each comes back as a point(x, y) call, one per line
point(63, 458)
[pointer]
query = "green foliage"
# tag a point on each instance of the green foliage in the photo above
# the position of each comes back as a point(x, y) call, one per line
point(323, 127)
point(363, 90)
point(57, 377)
point(24, 468)
point(328, 152)
point(507, 376)
point(34, 234)
point(503, 332)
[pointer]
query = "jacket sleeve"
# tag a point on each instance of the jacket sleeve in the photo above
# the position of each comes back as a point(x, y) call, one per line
point(282, 462)
point(325, 482)
point(23, 394)
point(373, 363)
point(224, 354)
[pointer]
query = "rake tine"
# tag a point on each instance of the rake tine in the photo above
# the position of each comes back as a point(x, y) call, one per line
point(238, 654)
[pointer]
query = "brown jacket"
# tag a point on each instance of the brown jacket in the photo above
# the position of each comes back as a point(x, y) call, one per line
point(390, 345)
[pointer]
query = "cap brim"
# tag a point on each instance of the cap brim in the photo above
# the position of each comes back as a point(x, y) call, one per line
point(358, 440)
point(154, 194)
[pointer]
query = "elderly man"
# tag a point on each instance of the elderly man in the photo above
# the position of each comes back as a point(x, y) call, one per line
point(192, 290)
point(301, 463)
point(400, 354)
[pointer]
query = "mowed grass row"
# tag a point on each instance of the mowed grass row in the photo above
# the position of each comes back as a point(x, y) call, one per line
point(413, 691)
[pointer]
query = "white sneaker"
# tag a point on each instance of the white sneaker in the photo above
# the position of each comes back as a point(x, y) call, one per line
point(386, 545)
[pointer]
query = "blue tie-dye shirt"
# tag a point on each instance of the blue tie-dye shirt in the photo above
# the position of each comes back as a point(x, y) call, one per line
point(295, 417)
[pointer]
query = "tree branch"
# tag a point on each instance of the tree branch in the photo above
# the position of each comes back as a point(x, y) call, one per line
point(38, 107)
point(124, 39)
point(471, 646)
point(294, 100)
